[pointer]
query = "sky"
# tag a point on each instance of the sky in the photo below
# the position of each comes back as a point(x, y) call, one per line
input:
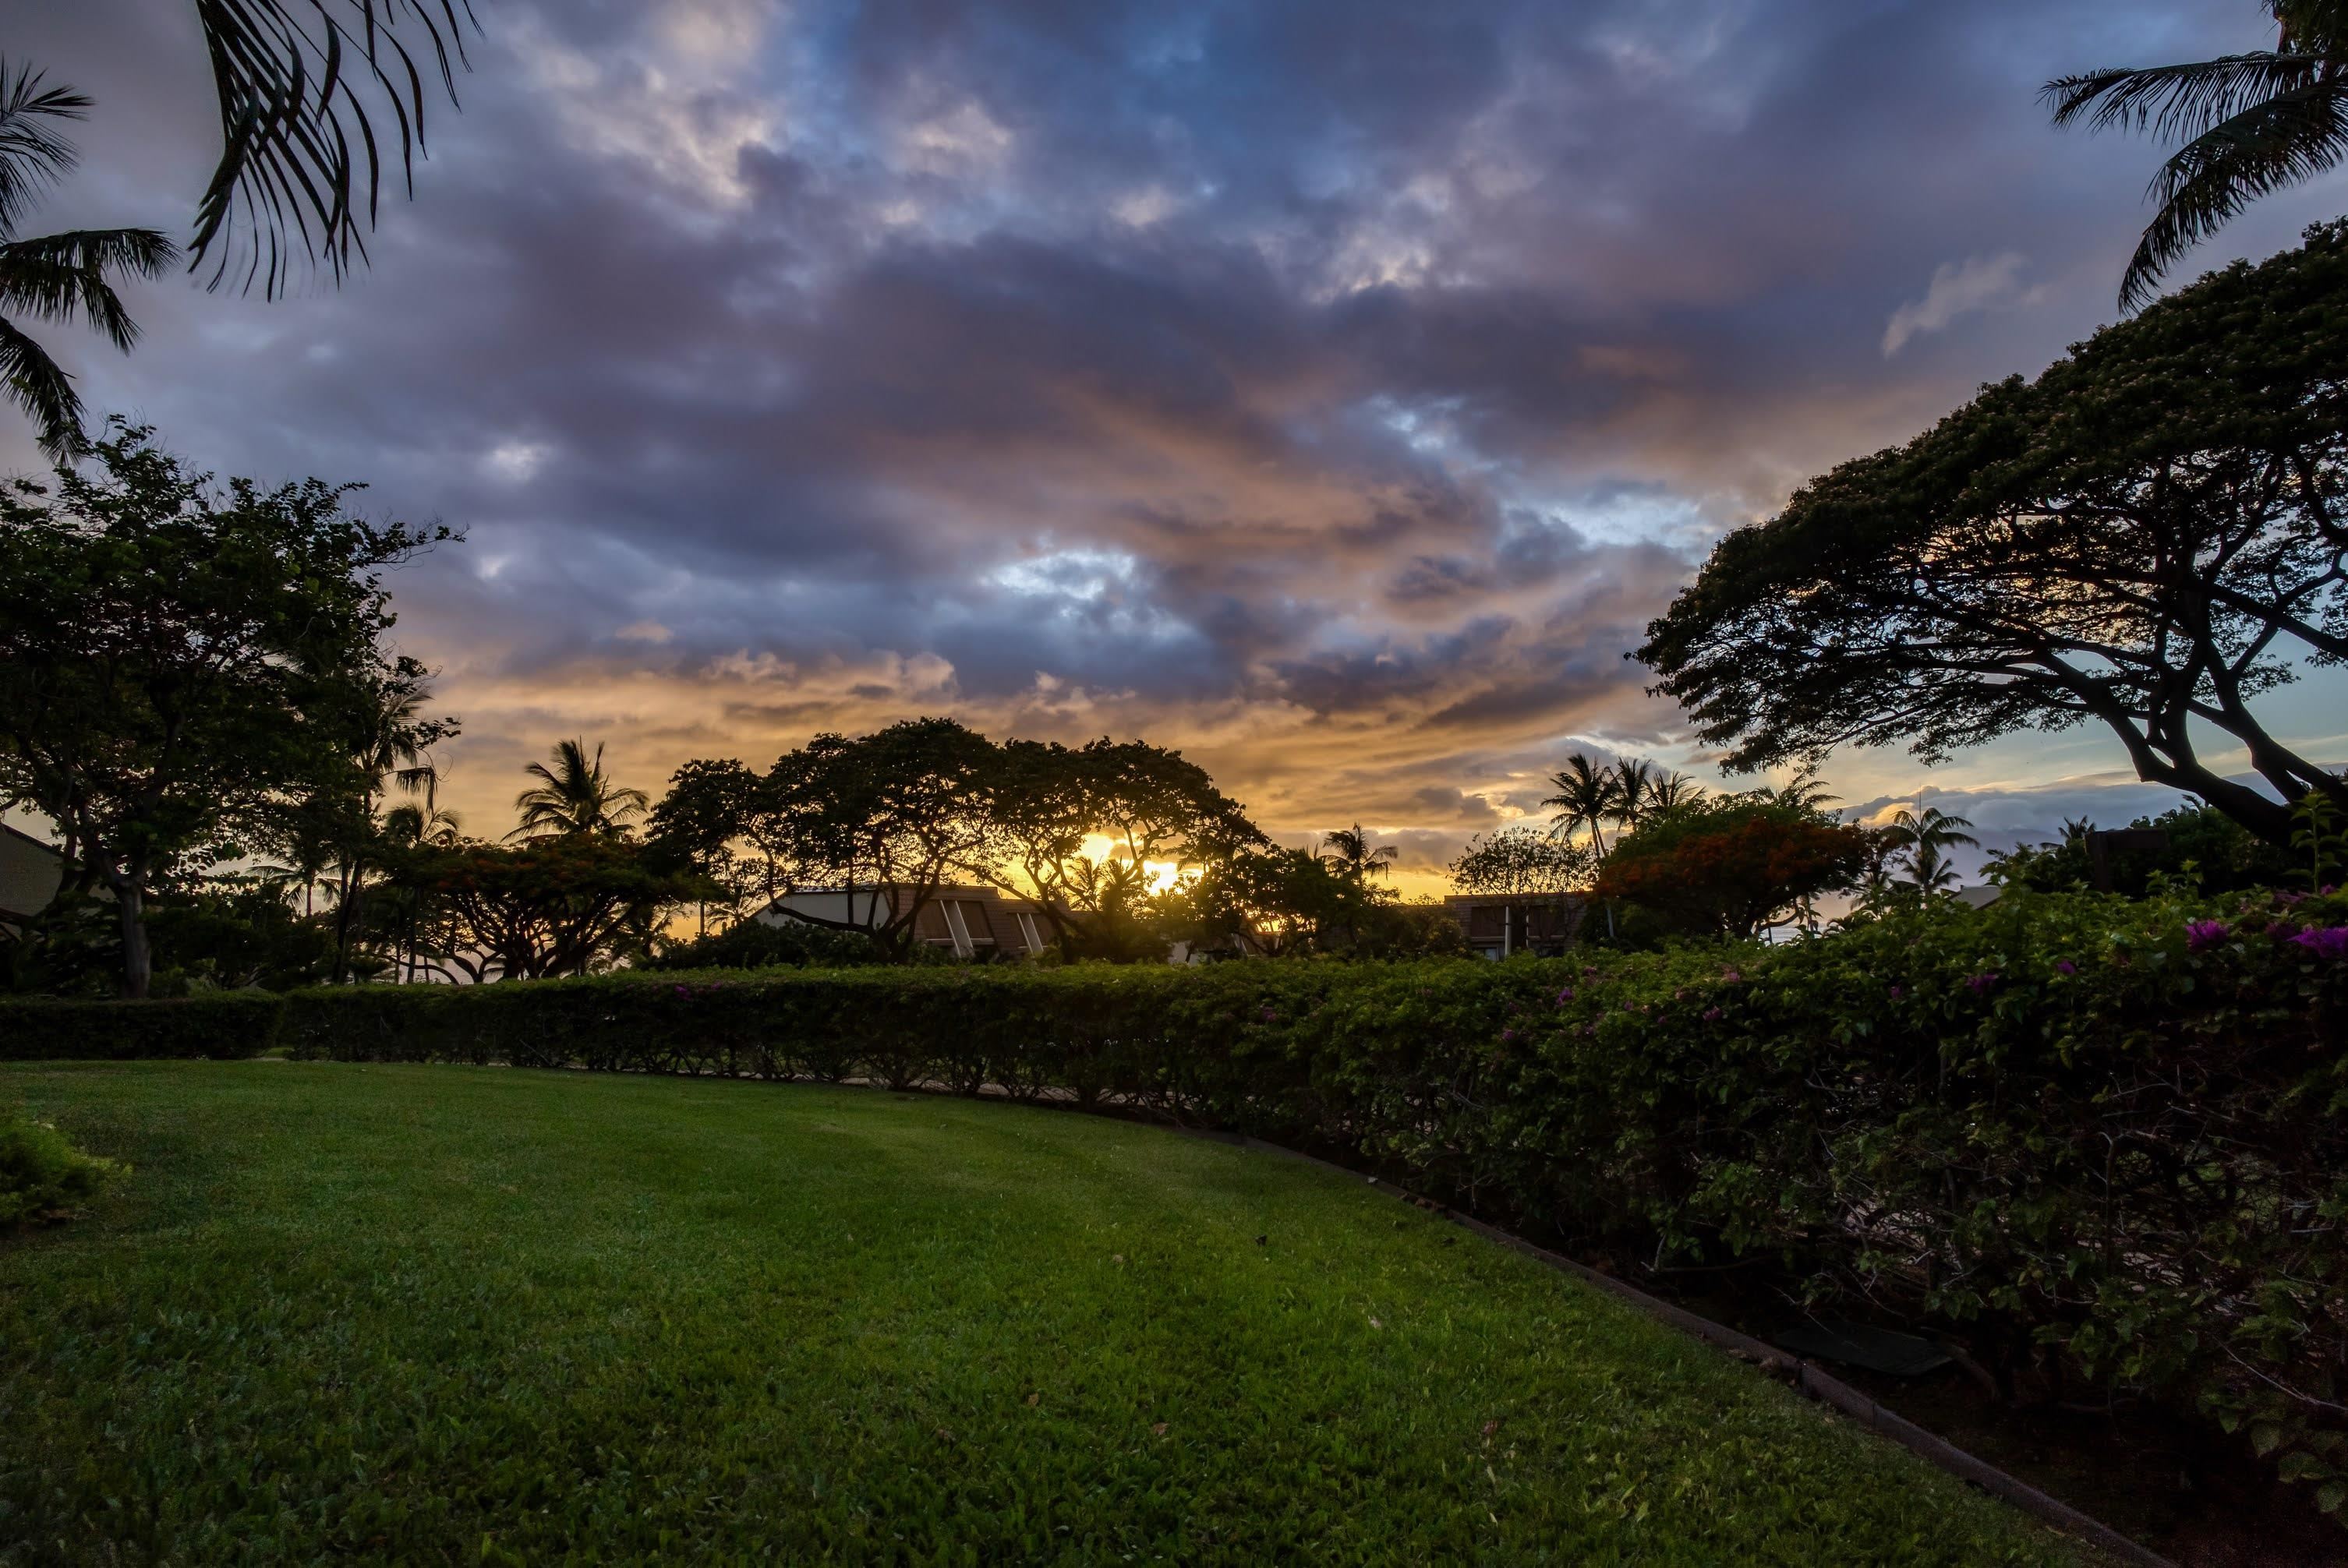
point(1332, 391)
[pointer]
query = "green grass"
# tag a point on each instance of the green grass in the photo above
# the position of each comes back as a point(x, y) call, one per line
point(440, 1313)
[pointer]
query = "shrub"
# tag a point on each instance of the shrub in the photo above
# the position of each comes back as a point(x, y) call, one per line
point(755, 945)
point(2092, 1140)
point(41, 1174)
point(221, 1024)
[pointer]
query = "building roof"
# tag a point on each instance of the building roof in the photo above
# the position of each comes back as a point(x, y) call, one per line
point(31, 871)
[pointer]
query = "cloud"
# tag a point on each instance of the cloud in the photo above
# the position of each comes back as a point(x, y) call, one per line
point(1958, 289)
point(1337, 412)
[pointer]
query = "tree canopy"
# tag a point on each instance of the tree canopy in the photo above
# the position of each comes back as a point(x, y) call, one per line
point(1733, 866)
point(2148, 536)
point(179, 660)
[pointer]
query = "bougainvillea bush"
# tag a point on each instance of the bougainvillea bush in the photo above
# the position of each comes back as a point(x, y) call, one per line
point(2099, 1145)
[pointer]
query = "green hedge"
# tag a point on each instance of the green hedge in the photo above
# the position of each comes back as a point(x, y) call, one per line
point(2095, 1142)
point(227, 1024)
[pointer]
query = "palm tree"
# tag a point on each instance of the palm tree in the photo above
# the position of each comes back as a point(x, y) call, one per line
point(2250, 123)
point(573, 796)
point(1924, 834)
point(1634, 783)
point(1669, 791)
point(1348, 850)
point(1584, 799)
point(55, 277)
point(1804, 790)
point(388, 741)
point(294, 79)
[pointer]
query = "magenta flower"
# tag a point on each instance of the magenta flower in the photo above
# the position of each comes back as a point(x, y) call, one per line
point(2066, 966)
point(1731, 977)
point(1979, 984)
point(1508, 1034)
point(2200, 936)
point(684, 991)
point(1565, 995)
point(2325, 942)
point(1897, 993)
point(1712, 1015)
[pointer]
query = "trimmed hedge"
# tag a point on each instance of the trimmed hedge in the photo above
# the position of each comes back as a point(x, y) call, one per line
point(2093, 1143)
point(2096, 1144)
point(223, 1025)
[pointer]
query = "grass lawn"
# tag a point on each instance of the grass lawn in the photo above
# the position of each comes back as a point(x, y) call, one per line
point(442, 1313)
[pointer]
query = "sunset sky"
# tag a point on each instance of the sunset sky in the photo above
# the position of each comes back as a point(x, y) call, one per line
point(1330, 390)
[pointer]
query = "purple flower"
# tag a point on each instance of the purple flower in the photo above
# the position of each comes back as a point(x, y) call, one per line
point(2200, 936)
point(1712, 1015)
point(1897, 993)
point(1268, 1015)
point(2325, 942)
point(684, 990)
point(1508, 1034)
point(1731, 977)
point(1565, 995)
point(2066, 966)
point(1979, 984)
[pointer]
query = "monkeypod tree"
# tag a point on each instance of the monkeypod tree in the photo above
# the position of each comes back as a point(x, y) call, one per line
point(2149, 536)
point(1049, 801)
point(569, 904)
point(907, 807)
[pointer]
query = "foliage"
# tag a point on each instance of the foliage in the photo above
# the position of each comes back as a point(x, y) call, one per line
point(574, 795)
point(2204, 847)
point(1733, 866)
point(904, 808)
point(177, 661)
point(1923, 834)
point(562, 906)
point(1409, 929)
point(561, 1317)
point(222, 1025)
point(2250, 123)
point(211, 934)
point(55, 277)
point(2059, 1131)
point(42, 1175)
point(709, 806)
point(929, 803)
point(2319, 839)
point(757, 945)
point(2143, 537)
point(296, 80)
point(1278, 903)
point(1520, 861)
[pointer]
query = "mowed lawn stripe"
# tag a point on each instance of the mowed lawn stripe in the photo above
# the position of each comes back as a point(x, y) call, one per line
point(434, 1313)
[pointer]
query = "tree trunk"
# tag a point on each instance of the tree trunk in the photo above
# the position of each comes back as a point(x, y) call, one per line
point(138, 961)
point(345, 914)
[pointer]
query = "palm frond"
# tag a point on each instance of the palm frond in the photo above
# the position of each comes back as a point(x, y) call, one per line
point(2205, 184)
point(39, 386)
point(33, 154)
point(2178, 102)
point(298, 80)
point(59, 276)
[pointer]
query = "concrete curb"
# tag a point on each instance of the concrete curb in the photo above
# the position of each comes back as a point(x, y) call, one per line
point(1805, 1376)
